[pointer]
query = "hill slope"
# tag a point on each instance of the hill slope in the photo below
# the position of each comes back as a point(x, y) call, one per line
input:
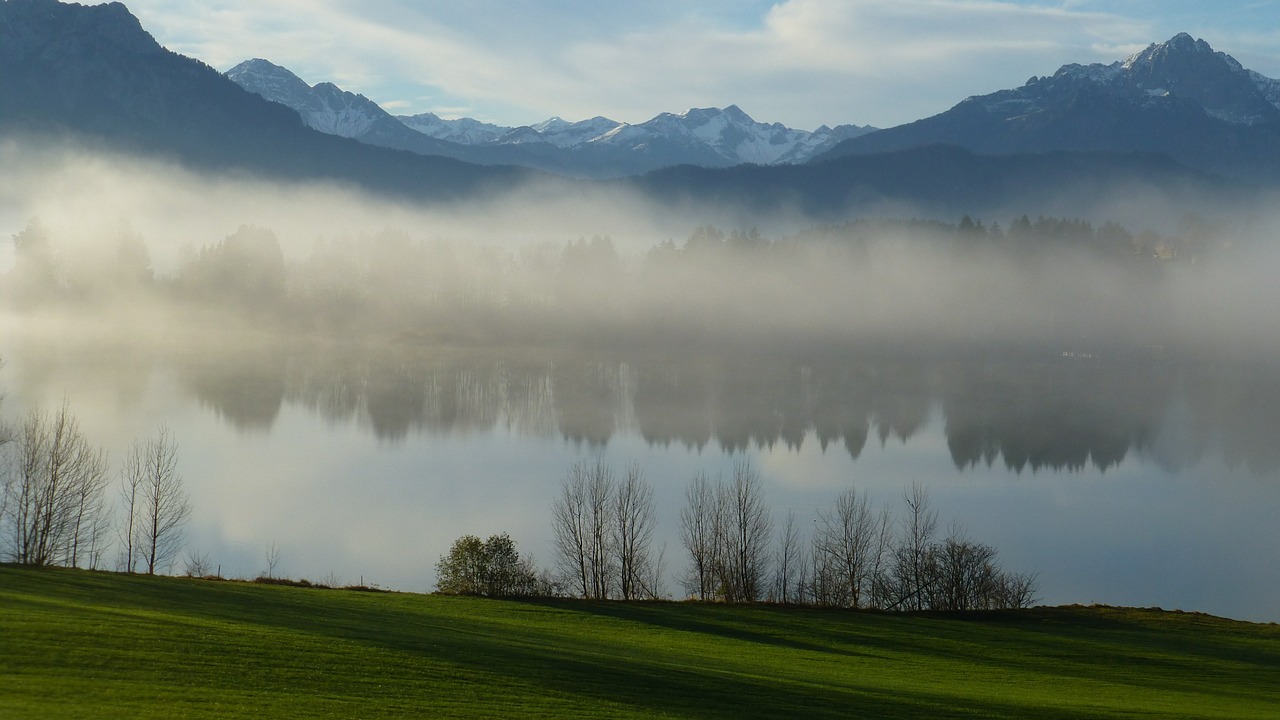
point(80, 644)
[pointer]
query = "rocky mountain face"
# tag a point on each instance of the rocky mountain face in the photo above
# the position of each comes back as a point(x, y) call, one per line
point(1179, 98)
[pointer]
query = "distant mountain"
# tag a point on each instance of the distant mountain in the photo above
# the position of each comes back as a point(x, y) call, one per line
point(463, 131)
point(732, 135)
point(1179, 98)
point(92, 72)
point(598, 147)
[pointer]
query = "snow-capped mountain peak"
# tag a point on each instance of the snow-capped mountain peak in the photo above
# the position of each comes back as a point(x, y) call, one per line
point(324, 106)
point(1186, 68)
point(551, 125)
point(271, 81)
point(562, 133)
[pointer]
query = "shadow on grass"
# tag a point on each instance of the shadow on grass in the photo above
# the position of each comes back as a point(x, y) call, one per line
point(580, 652)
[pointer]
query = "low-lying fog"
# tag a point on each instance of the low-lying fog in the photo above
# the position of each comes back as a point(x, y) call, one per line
point(361, 380)
point(782, 279)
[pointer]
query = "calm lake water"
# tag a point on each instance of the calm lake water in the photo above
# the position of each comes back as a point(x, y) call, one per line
point(1130, 481)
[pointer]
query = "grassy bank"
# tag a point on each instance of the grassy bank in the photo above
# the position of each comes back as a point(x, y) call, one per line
point(82, 644)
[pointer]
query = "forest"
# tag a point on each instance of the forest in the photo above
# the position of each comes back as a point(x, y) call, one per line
point(907, 283)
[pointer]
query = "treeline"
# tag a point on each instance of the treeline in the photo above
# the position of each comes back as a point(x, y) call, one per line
point(55, 504)
point(856, 556)
point(713, 281)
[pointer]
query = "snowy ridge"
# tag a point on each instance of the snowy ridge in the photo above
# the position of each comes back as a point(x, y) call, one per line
point(729, 133)
point(464, 131)
point(699, 136)
point(563, 133)
point(324, 107)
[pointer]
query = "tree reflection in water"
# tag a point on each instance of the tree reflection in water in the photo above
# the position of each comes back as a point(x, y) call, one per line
point(1034, 413)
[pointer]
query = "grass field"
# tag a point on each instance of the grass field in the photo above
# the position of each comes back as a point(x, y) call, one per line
point(81, 644)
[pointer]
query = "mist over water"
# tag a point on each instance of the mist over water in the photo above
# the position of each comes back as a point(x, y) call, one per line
point(362, 381)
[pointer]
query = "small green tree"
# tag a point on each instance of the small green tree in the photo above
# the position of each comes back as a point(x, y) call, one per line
point(461, 571)
point(492, 568)
point(505, 574)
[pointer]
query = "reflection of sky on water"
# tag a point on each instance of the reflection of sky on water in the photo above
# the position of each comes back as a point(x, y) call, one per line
point(340, 502)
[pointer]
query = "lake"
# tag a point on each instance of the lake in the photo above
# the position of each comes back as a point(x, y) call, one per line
point(1125, 480)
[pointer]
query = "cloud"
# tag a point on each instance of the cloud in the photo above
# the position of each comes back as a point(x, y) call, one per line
point(800, 62)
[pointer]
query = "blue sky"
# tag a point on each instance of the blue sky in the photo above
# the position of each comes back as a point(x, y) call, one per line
point(800, 62)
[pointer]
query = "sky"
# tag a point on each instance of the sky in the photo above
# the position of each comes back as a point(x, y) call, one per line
point(803, 63)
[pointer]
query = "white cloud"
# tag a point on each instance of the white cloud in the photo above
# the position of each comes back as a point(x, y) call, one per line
point(801, 62)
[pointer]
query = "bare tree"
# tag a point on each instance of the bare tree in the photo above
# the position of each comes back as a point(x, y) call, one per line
point(272, 556)
point(880, 583)
point(726, 529)
point(53, 507)
point(197, 564)
point(824, 585)
point(701, 521)
point(911, 557)
point(848, 536)
point(7, 435)
point(1017, 590)
point(155, 502)
point(132, 473)
point(746, 536)
point(966, 576)
point(788, 564)
point(632, 525)
point(583, 530)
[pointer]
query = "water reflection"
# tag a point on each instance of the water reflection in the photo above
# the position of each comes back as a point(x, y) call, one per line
point(1059, 413)
point(1137, 481)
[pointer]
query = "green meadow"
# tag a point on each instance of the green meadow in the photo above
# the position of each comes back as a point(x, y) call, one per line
point(79, 644)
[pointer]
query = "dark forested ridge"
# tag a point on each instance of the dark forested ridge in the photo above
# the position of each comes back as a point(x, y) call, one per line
point(947, 180)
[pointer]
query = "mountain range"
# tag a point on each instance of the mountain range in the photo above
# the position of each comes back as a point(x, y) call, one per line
point(595, 148)
point(1187, 121)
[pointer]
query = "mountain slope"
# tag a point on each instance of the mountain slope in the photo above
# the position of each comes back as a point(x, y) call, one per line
point(1179, 98)
point(94, 73)
point(331, 110)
